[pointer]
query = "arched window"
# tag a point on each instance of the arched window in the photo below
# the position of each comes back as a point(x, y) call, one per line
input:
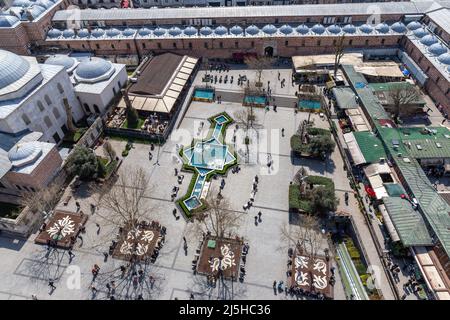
point(60, 88)
point(47, 99)
point(48, 122)
point(86, 107)
point(96, 109)
point(56, 113)
point(40, 106)
point(25, 119)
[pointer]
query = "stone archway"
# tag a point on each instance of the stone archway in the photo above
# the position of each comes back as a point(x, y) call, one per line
point(268, 51)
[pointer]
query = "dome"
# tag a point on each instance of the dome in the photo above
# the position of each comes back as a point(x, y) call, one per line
point(83, 33)
point(286, 29)
point(252, 30)
point(420, 33)
point(24, 153)
point(159, 32)
point(236, 30)
point(61, 60)
point(444, 58)
point(269, 29)
point(437, 49)
point(68, 33)
point(34, 10)
point(44, 3)
point(144, 32)
point(206, 31)
point(349, 28)
point(382, 28)
point(190, 31)
point(21, 3)
point(366, 28)
point(98, 33)
point(335, 29)
point(414, 25)
point(8, 21)
point(398, 27)
point(93, 69)
point(54, 33)
point(318, 28)
point(112, 32)
point(128, 32)
point(174, 31)
point(221, 30)
point(303, 29)
point(428, 40)
point(12, 68)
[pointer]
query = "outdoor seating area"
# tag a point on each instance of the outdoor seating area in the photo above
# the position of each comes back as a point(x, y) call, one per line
point(140, 242)
point(216, 257)
point(62, 229)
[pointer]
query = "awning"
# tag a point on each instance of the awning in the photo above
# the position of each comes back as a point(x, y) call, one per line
point(388, 223)
point(353, 148)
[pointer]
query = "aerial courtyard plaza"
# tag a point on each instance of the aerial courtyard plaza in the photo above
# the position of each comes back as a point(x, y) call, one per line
point(288, 160)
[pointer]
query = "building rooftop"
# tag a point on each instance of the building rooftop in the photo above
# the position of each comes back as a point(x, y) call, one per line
point(371, 146)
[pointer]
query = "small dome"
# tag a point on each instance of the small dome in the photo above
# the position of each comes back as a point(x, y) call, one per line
point(318, 29)
point(128, 32)
point(68, 33)
point(159, 32)
point(206, 31)
point(335, 29)
point(112, 32)
point(221, 30)
point(252, 30)
point(21, 3)
point(382, 28)
point(12, 68)
point(366, 28)
point(174, 31)
point(98, 33)
point(44, 3)
point(34, 10)
point(144, 32)
point(428, 40)
point(8, 21)
point(269, 29)
point(61, 60)
point(54, 33)
point(414, 25)
point(83, 33)
point(444, 58)
point(93, 68)
point(437, 49)
point(302, 29)
point(190, 31)
point(349, 28)
point(236, 30)
point(398, 27)
point(286, 29)
point(24, 153)
point(420, 33)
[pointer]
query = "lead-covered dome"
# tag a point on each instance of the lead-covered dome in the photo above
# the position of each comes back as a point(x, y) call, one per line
point(144, 32)
point(269, 29)
point(420, 33)
point(349, 28)
point(302, 29)
point(318, 29)
point(35, 11)
point(236, 30)
point(413, 25)
point(398, 27)
point(54, 33)
point(286, 29)
point(128, 32)
point(190, 31)
point(206, 31)
point(366, 28)
point(44, 3)
point(94, 70)
point(437, 49)
point(68, 33)
point(159, 32)
point(174, 31)
point(8, 21)
point(24, 153)
point(12, 68)
point(252, 30)
point(428, 40)
point(444, 58)
point(21, 3)
point(382, 28)
point(62, 60)
point(113, 32)
point(221, 30)
point(98, 33)
point(334, 29)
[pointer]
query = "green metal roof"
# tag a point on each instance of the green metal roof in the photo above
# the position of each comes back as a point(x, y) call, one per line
point(370, 145)
point(408, 222)
point(394, 189)
point(345, 98)
point(385, 87)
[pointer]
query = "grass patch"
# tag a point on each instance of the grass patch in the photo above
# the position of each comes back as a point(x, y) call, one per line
point(9, 210)
point(73, 137)
point(302, 202)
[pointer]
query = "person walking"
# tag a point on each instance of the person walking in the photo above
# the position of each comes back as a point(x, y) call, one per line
point(282, 132)
point(71, 254)
point(51, 284)
point(34, 297)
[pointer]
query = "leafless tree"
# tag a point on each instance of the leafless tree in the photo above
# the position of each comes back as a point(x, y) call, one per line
point(218, 219)
point(246, 117)
point(339, 48)
point(43, 200)
point(109, 151)
point(259, 64)
point(401, 95)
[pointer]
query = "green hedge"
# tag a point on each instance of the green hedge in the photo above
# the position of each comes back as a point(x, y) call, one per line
point(313, 131)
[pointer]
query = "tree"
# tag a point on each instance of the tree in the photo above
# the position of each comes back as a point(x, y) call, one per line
point(306, 236)
point(218, 219)
point(109, 150)
point(323, 200)
point(259, 64)
point(132, 117)
point(321, 145)
point(301, 174)
point(70, 126)
point(83, 162)
point(246, 117)
point(401, 95)
point(43, 200)
point(338, 53)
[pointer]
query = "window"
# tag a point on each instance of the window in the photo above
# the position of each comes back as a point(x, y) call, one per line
point(112, 46)
point(48, 122)
point(83, 46)
point(367, 42)
point(56, 113)
point(437, 79)
point(303, 43)
point(32, 189)
point(40, 106)
point(190, 45)
point(174, 45)
point(159, 45)
point(128, 46)
point(318, 42)
point(60, 88)
point(86, 108)
point(334, 42)
point(143, 46)
point(25, 119)
point(96, 109)
point(253, 44)
point(350, 42)
point(18, 187)
point(64, 128)
point(68, 46)
point(97, 46)
point(56, 137)
point(47, 100)
point(206, 45)
point(221, 45)
point(236, 44)
point(114, 91)
point(286, 43)
point(2, 186)
point(382, 41)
